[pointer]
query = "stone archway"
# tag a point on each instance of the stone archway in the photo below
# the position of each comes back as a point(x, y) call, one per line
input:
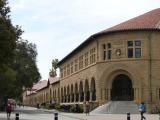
point(86, 89)
point(93, 90)
point(81, 93)
point(76, 93)
point(122, 88)
point(62, 96)
point(72, 93)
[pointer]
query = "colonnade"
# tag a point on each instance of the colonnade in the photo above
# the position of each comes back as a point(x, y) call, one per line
point(79, 92)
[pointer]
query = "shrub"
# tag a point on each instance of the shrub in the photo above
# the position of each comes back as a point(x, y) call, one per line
point(51, 106)
point(76, 108)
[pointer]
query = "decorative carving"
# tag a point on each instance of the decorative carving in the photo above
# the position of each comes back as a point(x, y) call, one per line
point(118, 52)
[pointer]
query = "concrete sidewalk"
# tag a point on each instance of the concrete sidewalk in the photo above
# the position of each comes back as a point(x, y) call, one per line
point(114, 116)
point(70, 116)
point(29, 113)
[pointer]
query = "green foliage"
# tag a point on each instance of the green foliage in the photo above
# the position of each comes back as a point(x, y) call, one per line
point(53, 71)
point(25, 65)
point(8, 38)
point(17, 58)
point(54, 63)
point(70, 108)
point(4, 8)
point(58, 107)
point(76, 108)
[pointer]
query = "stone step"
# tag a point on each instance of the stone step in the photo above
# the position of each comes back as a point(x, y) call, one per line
point(117, 107)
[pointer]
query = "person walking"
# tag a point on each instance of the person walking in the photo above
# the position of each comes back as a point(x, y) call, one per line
point(142, 110)
point(9, 110)
point(87, 108)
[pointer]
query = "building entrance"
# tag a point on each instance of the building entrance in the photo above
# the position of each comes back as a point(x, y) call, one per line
point(122, 89)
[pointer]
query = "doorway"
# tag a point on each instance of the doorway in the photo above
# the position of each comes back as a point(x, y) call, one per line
point(122, 89)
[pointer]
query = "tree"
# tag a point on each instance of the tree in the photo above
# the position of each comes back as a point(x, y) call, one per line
point(25, 66)
point(17, 58)
point(53, 70)
point(8, 38)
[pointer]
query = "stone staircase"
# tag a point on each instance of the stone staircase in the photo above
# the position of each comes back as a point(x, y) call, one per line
point(117, 107)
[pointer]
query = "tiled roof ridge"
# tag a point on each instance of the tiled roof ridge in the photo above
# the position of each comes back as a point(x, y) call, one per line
point(53, 79)
point(145, 21)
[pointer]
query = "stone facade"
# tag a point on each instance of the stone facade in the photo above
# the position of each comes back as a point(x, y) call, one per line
point(143, 71)
point(44, 92)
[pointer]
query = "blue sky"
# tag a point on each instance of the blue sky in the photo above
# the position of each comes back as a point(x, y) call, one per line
point(59, 26)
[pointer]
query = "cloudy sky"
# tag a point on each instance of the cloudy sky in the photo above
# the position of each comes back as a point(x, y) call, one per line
point(59, 26)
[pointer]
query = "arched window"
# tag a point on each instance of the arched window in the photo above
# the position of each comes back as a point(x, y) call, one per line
point(58, 95)
point(68, 93)
point(65, 99)
point(87, 96)
point(50, 95)
point(76, 92)
point(55, 95)
point(62, 99)
point(72, 93)
point(93, 89)
point(81, 93)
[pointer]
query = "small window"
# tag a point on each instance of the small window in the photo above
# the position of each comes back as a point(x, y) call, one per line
point(130, 43)
point(104, 46)
point(159, 94)
point(109, 45)
point(137, 52)
point(138, 43)
point(109, 54)
point(130, 52)
point(104, 55)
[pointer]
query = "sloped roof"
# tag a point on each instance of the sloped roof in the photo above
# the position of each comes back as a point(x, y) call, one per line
point(40, 85)
point(53, 80)
point(147, 21)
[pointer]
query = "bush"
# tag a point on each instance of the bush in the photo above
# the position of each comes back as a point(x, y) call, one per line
point(51, 106)
point(76, 108)
point(43, 104)
point(65, 108)
point(58, 107)
point(69, 108)
point(72, 109)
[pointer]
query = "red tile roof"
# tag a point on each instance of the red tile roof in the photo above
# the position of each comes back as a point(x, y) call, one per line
point(53, 80)
point(40, 85)
point(147, 21)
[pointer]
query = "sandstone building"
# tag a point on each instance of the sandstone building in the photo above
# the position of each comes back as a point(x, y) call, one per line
point(43, 92)
point(121, 63)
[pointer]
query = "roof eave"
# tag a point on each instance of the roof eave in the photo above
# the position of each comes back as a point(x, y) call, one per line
point(99, 34)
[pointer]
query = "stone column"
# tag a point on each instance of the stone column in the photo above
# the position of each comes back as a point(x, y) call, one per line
point(71, 97)
point(109, 94)
point(84, 96)
point(74, 97)
point(135, 99)
point(79, 99)
point(66, 98)
point(137, 95)
point(157, 94)
point(105, 94)
point(91, 93)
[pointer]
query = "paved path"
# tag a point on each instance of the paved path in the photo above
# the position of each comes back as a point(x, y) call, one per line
point(34, 114)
